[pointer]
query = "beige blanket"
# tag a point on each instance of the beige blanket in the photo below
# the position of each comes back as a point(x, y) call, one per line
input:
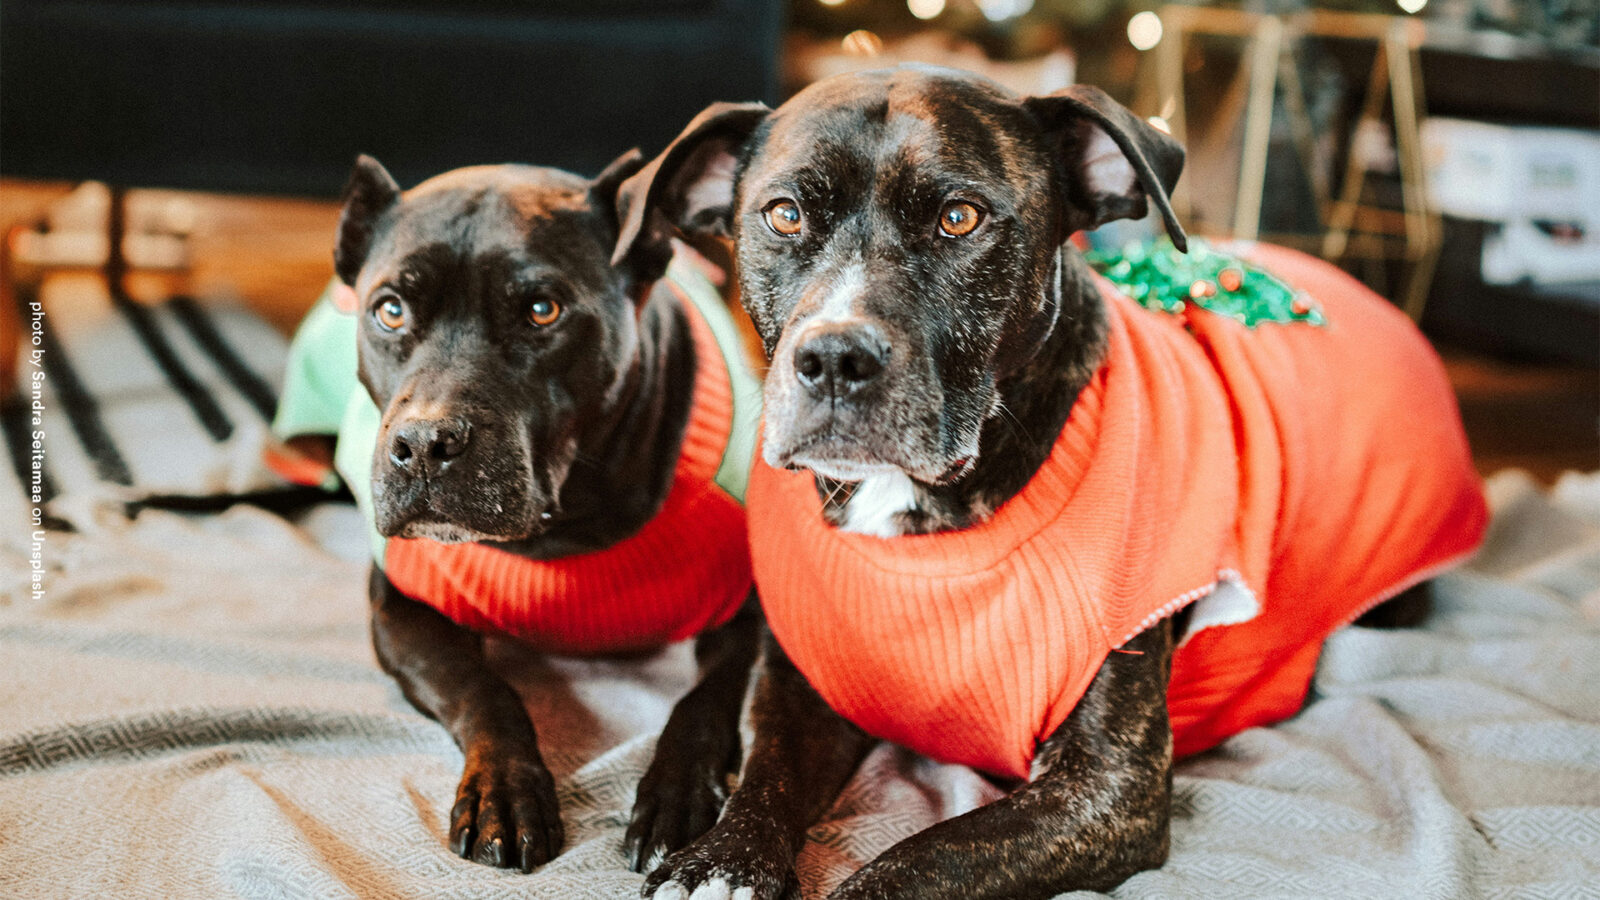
point(190, 709)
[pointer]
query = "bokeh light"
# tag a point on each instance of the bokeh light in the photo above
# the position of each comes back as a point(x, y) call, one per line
point(862, 43)
point(1144, 29)
point(1001, 10)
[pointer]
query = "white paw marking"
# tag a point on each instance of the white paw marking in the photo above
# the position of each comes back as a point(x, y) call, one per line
point(715, 889)
point(657, 857)
point(745, 893)
point(671, 891)
point(876, 501)
point(747, 721)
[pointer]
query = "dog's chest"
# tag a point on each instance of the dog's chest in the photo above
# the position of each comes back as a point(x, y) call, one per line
point(876, 505)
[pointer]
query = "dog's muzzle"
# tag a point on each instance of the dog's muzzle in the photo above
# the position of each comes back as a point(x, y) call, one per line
point(450, 478)
point(839, 360)
point(425, 448)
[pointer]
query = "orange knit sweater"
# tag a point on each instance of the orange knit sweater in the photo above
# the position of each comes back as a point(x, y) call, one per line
point(1322, 468)
point(686, 570)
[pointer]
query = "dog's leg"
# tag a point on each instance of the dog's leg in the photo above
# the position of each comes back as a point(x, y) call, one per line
point(1096, 812)
point(505, 812)
point(1408, 609)
point(682, 791)
point(801, 754)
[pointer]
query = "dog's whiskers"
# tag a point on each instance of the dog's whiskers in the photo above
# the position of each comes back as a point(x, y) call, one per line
point(1016, 424)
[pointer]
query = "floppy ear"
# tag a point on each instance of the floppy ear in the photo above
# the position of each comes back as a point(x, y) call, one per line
point(690, 185)
point(603, 190)
point(1113, 161)
point(369, 193)
point(647, 260)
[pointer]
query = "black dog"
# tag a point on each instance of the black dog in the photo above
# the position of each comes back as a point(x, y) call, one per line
point(533, 397)
point(902, 247)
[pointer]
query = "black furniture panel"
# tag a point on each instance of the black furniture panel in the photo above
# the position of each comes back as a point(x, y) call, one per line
point(280, 97)
point(1549, 322)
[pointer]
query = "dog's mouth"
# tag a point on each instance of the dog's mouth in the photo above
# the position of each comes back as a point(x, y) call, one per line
point(451, 533)
point(848, 458)
point(498, 490)
point(445, 530)
point(451, 515)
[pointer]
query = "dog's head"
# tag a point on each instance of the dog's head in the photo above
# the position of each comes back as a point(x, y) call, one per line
point(898, 242)
point(492, 325)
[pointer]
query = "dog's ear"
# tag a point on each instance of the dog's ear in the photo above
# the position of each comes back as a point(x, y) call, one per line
point(645, 261)
point(369, 193)
point(690, 185)
point(603, 190)
point(1113, 160)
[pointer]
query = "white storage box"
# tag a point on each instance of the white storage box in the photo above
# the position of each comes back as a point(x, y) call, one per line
point(1540, 185)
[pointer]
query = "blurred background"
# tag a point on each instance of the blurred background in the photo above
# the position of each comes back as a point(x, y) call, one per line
point(188, 698)
point(1445, 151)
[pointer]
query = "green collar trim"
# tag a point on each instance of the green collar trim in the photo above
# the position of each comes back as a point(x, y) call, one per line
point(733, 473)
point(1158, 277)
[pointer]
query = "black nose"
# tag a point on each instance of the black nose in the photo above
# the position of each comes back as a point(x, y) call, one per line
point(838, 359)
point(424, 447)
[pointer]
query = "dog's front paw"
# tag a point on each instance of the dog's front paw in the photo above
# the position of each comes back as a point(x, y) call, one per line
point(726, 865)
point(506, 813)
point(678, 800)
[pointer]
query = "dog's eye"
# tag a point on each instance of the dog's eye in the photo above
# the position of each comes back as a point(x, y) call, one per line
point(391, 314)
point(544, 311)
point(783, 217)
point(959, 218)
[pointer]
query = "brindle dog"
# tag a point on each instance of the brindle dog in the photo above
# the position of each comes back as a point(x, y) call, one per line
point(902, 248)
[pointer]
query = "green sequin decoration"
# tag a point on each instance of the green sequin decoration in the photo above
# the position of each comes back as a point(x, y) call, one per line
point(1158, 277)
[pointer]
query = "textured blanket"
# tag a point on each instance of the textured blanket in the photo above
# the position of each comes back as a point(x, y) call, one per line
point(189, 709)
point(122, 401)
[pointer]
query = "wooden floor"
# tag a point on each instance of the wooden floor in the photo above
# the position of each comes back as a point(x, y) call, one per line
point(276, 254)
point(1542, 418)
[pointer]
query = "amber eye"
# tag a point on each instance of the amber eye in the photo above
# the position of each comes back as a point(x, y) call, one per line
point(544, 311)
point(958, 218)
point(391, 314)
point(784, 218)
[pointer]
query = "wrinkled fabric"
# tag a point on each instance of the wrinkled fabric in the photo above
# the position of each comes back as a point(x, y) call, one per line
point(193, 712)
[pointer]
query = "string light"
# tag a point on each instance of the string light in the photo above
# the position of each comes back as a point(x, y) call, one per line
point(862, 43)
point(1144, 29)
point(1412, 6)
point(1000, 10)
point(925, 9)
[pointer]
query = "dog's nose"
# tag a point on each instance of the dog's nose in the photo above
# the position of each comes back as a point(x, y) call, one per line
point(838, 359)
point(423, 447)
